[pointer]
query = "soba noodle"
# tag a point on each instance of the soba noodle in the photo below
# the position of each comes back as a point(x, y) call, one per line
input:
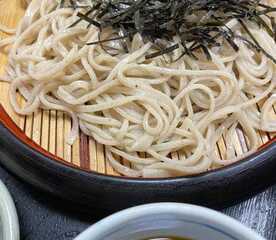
point(134, 105)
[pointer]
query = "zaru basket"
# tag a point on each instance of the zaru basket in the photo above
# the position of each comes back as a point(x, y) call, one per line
point(34, 148)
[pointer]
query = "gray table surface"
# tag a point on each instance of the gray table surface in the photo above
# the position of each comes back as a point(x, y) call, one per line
point(40, 219)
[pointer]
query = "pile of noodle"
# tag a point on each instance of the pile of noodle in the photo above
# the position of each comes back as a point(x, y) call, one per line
point(142, 110)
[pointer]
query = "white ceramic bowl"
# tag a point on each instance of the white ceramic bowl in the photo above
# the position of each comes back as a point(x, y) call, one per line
point(9, 227)
point(168, 219)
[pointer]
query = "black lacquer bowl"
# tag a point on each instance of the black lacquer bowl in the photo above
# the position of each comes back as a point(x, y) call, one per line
point(90, 190)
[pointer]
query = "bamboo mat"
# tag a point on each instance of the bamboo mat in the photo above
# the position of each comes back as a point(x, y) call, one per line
point(51, 128)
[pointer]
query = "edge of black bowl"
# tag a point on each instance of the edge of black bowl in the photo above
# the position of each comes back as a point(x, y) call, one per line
point(216, 189)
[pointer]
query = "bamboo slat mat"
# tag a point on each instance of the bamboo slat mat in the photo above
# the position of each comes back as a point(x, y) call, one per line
point(50, 128)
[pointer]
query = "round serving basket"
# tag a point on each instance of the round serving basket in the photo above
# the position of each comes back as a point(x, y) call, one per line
point(34, 148)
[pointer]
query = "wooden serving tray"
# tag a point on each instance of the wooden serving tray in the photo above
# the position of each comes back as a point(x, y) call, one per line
point(35, 148)
point(50, 128)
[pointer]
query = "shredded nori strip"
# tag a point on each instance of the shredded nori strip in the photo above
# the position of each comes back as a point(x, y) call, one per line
point(163, 51)
point(197, 23)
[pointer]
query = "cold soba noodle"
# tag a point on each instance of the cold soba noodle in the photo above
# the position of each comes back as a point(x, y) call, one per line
point(134, 104)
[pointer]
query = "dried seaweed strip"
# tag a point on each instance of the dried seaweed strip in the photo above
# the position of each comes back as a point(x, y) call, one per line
point(199, 23)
